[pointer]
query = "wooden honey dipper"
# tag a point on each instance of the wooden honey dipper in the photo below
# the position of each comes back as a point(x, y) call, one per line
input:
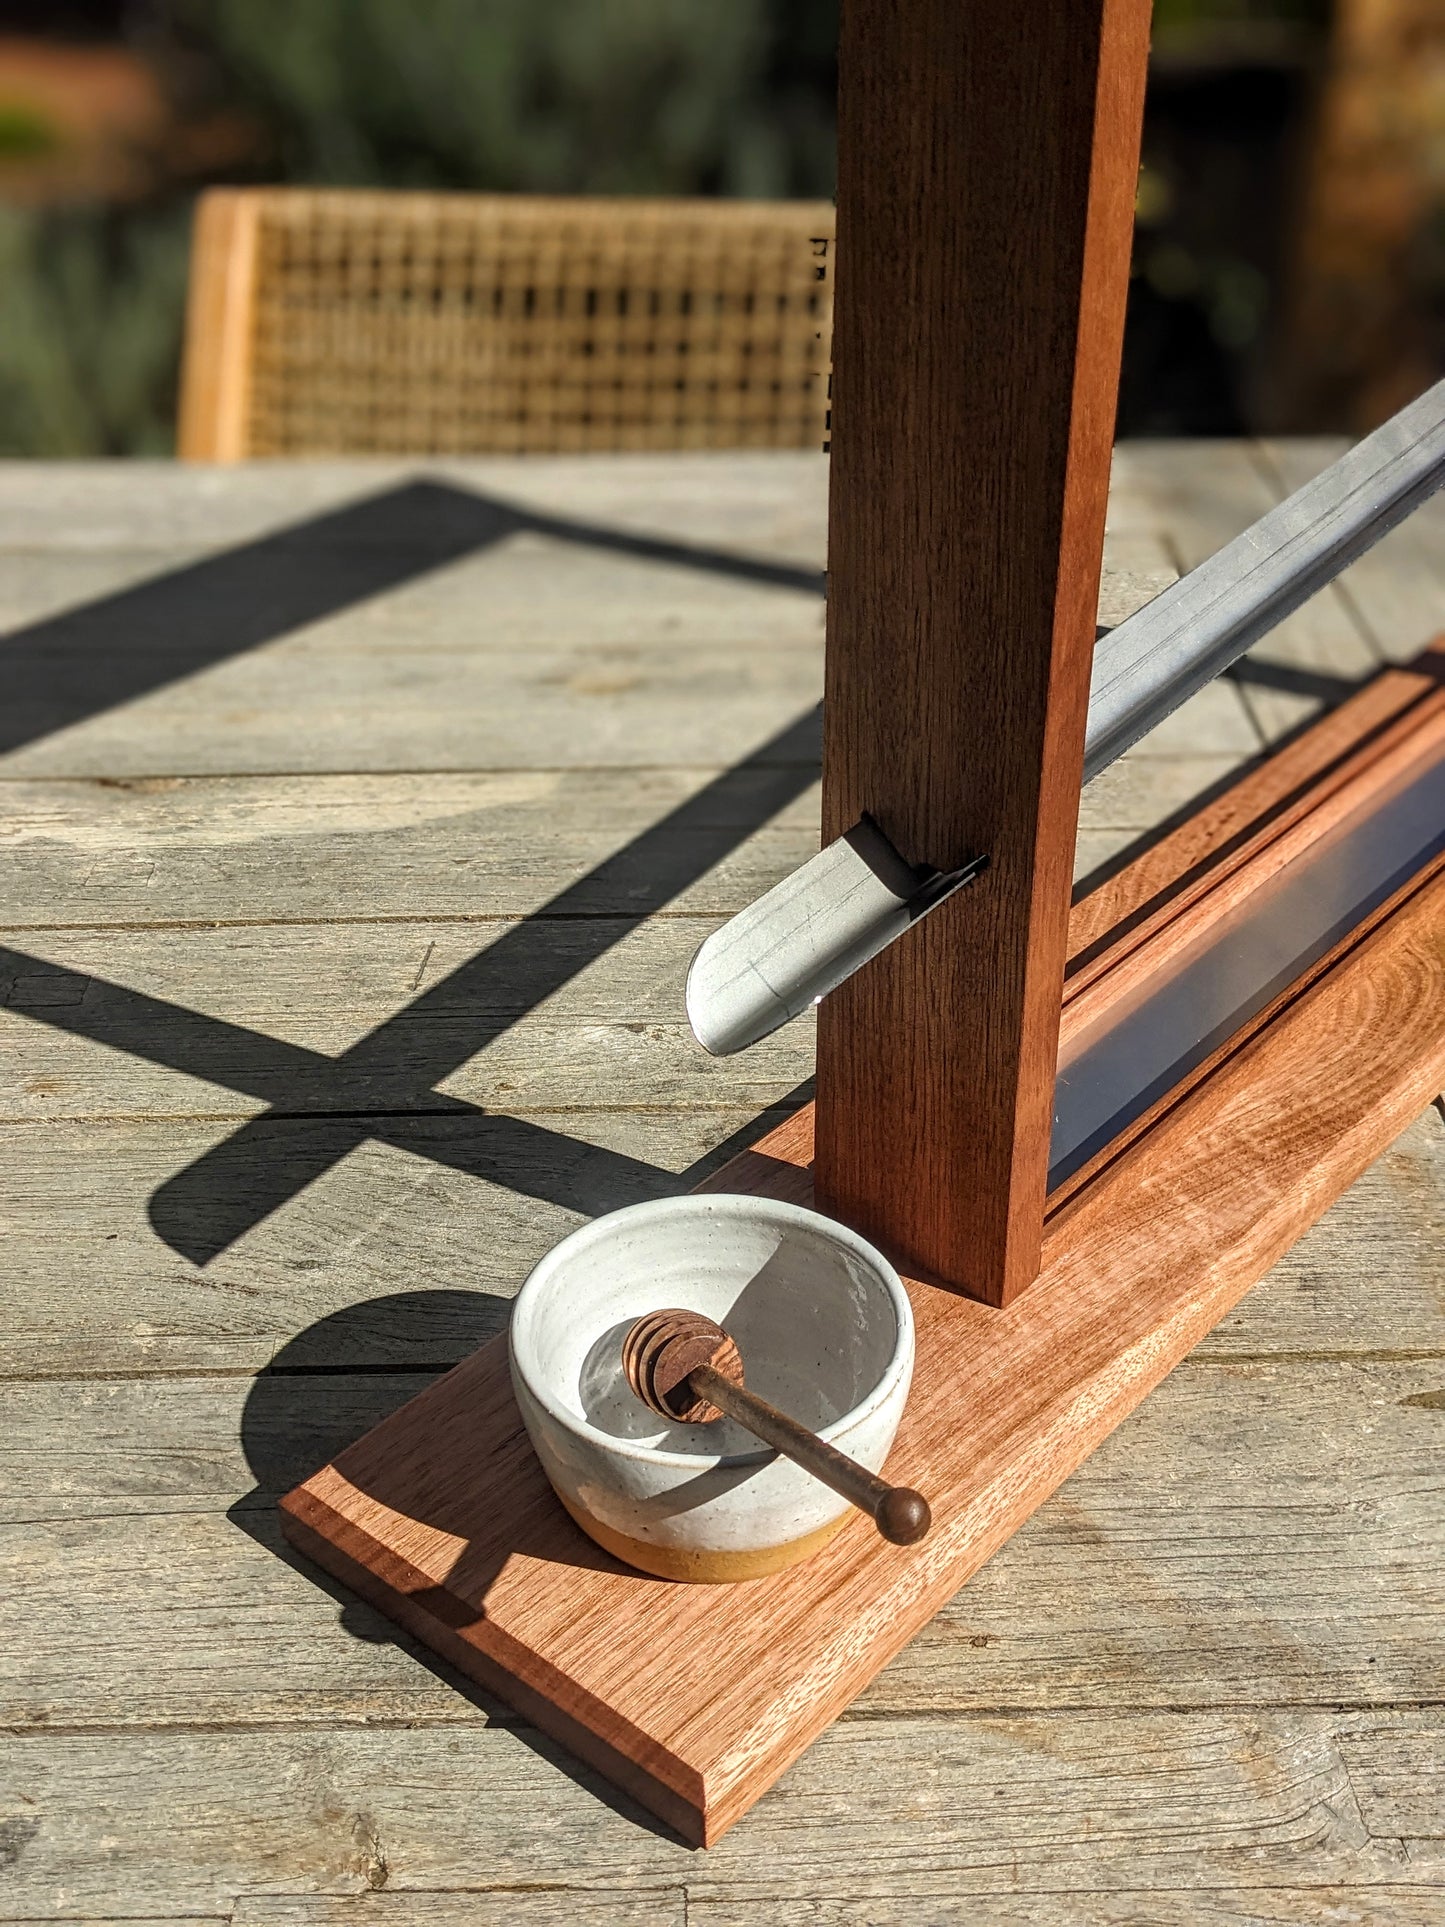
point(684, 1367)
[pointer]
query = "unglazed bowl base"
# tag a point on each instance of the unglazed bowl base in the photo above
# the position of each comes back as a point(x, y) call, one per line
point(704, 1568)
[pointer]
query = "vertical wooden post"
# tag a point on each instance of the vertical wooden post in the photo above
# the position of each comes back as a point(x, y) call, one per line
point(988, 153)
point(215, 404)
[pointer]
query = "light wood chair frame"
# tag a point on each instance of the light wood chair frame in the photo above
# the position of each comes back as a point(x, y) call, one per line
point(341, 322)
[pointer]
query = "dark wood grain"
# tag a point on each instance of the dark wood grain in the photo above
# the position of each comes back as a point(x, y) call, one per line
point(683, 1366)
point(987, 162)
point(899, 1513)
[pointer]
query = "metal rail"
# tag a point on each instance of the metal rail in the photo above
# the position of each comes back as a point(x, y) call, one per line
point(1196, 628)
point(827, 919)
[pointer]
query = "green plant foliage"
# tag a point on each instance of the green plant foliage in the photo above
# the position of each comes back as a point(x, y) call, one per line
point(561, 96)
point(25, 133)
point(727, 97)
point(90, 320)
point(1172, 14)
point(549, 96)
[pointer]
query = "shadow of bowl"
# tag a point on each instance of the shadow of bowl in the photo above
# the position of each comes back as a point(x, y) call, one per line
point(344, 1374)
point(322, 1391)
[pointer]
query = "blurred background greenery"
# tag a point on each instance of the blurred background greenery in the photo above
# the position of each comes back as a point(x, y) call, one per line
point(1289, 265)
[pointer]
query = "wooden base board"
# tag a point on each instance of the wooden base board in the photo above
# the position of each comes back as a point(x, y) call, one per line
point(695, 1699)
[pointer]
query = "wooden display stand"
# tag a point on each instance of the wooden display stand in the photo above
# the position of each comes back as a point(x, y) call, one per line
point(987, 159)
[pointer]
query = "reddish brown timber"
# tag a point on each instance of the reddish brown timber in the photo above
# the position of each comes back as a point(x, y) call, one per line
point(988, 158)
point(442, 1517)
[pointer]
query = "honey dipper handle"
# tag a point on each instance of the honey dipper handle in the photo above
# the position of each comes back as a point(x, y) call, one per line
point(899, 1513)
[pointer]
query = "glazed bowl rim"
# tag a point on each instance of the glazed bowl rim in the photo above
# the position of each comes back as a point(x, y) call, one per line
point(735, 1204)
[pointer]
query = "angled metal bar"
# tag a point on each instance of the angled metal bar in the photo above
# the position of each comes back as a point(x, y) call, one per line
point(826, 920)
point(809, 932)
point(1196, 628)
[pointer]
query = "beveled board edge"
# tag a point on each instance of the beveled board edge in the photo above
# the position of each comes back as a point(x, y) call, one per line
point(874, 1606)
point(703, 1795)
point(375, 1571)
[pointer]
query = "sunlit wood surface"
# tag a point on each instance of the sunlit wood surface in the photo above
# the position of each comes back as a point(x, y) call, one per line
point(358, 824)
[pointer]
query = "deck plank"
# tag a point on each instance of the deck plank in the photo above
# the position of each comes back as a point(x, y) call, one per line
point(1310, 659)
point(1398, 587)
point(1392, 1906)
point(444, 1214)
point(617, 1907)
point(363, 848)
point(1382, 1906)
point(772, 502)
point(171, 1820)
point(1198, 1686)
point(332, 1220)
point(275, 1006)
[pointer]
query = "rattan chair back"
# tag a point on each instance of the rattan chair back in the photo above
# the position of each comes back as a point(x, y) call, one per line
point(349, 323)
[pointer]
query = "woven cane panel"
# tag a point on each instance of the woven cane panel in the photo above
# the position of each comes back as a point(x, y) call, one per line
point(438, 324)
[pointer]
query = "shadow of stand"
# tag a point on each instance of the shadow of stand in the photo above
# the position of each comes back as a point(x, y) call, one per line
point(322, 1391)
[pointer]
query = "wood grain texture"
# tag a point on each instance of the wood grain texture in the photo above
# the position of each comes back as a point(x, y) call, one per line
point(647, 1906)
point(442, 1228)
point(987, 162)
point(1137, 919)
point(1068, 1809)
point(1175, 1232)
point(1252, 859)
point(197, 1014)
point(1198, 1603)
point(398, 1260)
point(215, 402)
point(358, 849)
point(1415, 1904)
point(466, 662)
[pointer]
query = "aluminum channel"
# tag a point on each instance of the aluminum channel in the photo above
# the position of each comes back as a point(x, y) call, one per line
point(1119, 1066)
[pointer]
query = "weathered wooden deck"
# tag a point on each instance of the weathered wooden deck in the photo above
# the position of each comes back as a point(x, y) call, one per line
point(358, 824)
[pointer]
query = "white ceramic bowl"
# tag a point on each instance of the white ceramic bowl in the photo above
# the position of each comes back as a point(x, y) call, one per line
point(825, 1330)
